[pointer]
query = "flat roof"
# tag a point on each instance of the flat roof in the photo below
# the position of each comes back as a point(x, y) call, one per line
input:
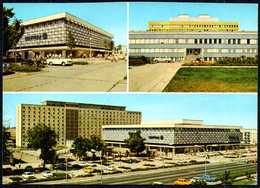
point(67, 16)
point(171, 126)
point(194, 32)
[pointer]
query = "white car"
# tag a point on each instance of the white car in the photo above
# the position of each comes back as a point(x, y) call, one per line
point(162, 59)
point(59, 61)
point(90, 163)
point(110, 168)
point(47, 174)
point(159, 158)
point(28, 175)
point(82, 163)
point(157, 183)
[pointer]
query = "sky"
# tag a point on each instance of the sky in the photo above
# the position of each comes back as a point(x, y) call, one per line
point(111, 17)
point(141, 13)
point(213, 109)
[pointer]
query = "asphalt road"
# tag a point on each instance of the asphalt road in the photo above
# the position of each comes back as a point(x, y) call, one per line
point(168, 177)
point(99, 77)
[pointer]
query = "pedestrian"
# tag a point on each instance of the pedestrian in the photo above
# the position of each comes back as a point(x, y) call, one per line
point(19, 165)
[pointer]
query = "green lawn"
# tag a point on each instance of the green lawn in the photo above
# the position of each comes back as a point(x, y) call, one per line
point(244, 182)
point(214, 80)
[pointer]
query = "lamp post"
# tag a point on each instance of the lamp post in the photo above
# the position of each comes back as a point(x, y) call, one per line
point(205, 160)
point(90, 49)
point(101, 178)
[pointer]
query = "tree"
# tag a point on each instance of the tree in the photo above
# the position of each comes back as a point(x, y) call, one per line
point(80, 146)
point(105, 44)
point(13, 32)
point(70, 41)
point(119, 47)
point(96, 144)
point(249, 177)
point(226, 178)
point(111, 45)
point(43, 138)
point(135, 142)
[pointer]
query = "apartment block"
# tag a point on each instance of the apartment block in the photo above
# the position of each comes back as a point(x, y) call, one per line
point(71, 120)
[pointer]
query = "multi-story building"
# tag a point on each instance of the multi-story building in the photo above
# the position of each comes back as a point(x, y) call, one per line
point(249, 136)
point(71, 120)
point(49, 34)
point(186, 38)
point(175, 135)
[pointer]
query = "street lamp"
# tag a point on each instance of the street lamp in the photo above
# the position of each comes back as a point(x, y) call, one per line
point(100, 166)
point(205, 160)
point(90, 49)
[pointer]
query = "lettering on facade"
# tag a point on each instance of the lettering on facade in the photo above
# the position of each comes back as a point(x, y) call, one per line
point(156, 137)
point(37, 37)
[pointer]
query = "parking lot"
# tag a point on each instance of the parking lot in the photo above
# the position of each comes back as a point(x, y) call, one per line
point(100, 76)
point(75, 169)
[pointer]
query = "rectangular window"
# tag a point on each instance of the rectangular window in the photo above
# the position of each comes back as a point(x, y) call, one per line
point(196, 41)
point(205, 41)
point(219, 41)
point(248, 41)
point(210, 41)
point(200, 41)
point(238, 41)
point(234, 41)
point(215, 41)
point(229, 41)
point(151, 41)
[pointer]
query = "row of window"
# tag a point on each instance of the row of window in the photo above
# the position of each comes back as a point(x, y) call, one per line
point(175, 50)
point(189, 25)
point(192, 41)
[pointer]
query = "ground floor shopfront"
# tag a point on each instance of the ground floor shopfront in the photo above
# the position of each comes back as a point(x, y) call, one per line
point(157, 149)
point(62, 51)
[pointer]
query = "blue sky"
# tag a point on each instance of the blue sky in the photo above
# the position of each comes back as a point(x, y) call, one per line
point(111, 17)
point(141, 13)
point(214, 109)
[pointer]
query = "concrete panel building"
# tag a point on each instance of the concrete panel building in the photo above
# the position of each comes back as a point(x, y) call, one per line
point(49, 35)
point(186, 38)
point(175, 135)
point(71, 120)
point(249, 136)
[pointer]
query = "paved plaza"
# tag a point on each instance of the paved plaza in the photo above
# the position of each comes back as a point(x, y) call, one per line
point(99, 76)
point(151, 77)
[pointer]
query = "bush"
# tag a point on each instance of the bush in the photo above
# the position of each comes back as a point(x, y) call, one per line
point(24, 68)
point(124, 167)
point(15, 178)
point(80, 63)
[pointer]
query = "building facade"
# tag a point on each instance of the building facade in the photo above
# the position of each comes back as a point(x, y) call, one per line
point(174, 135)
point(71, 120)
point(186, 38)
point(49, 35)
point(249, 136)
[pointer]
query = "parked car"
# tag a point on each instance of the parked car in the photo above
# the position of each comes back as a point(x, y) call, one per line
point(88, 169)
point(201, 155)
point(110, 168)
point(255, 161)
point(157, 183)
point(209, 178)
point(47, 174)
point(195, 179)
point(28, 175)
point(90, 163)
point(159, 158)
point(198, 60)
point(182, 182)
point(28, 169)
point(162, 59)
point(82, 163)
point(6, 67)
point(59, 61)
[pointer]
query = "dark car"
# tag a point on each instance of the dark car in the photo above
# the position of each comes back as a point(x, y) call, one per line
point(28, 169)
